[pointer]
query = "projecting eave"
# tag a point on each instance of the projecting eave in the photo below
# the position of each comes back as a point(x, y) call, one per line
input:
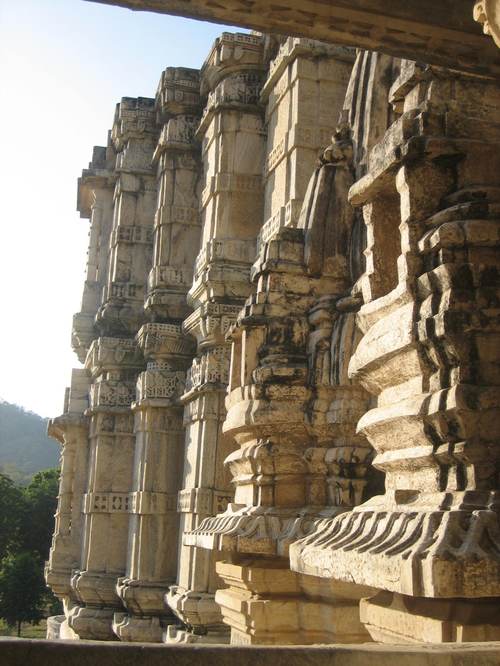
point(440, 33)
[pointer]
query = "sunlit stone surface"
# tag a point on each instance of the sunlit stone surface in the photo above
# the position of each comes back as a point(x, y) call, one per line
point(286, 430)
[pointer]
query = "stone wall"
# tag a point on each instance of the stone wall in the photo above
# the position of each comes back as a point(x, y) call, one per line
point(291, 296)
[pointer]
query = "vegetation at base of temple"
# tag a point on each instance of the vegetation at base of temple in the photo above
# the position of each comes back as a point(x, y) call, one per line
point(26, 525)
point(25, 447)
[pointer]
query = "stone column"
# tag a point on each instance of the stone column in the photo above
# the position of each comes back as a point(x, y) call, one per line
point(71, 430)
point(154, 524)
point(134, 136)
point(95, 201)
point(232, 136)
point(429, 354)
point(114, 361)
point(177, 220)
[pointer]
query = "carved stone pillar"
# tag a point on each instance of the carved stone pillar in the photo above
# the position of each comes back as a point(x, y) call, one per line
point(177, 219)
point(71, 430)
point(286, 477)
point(429, 354)
point(114, 361)
point(95, 201)
point(154, 524)
point(134, 136)
point(206, 488)
point(113, 364)
point(232, 136)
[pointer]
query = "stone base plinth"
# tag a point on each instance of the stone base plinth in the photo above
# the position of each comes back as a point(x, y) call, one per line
point(394, 618)
point(216, 636)
point(265, 605)
point(136, 629)
point(199, 613)
point(91, 623)
point(66, 633)
point(54, 623)
point(196, 609)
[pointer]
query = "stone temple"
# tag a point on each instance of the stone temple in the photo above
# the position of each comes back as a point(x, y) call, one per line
point(287, 427)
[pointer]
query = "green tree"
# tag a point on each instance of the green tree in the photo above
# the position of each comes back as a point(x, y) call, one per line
point(40, 503)
point(22, 590)
point(11, 515)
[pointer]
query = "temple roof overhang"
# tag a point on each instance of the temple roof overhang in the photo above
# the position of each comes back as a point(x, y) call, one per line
point(440, 33)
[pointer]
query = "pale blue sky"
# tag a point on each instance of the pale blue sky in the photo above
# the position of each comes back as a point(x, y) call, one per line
point(63, 66)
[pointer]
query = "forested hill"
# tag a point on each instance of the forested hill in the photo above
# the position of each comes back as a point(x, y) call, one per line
point(25, 447)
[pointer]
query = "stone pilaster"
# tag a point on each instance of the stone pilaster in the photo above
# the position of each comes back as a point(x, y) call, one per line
point(232, 136)
point(431, 543)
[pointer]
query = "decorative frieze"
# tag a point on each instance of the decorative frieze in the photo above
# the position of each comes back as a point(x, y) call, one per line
point(212, 367)
point(131, 234)
point(203, 501)
point(111, 393)
point(181, 214)
point(178, 92)
point(160, 382)
point(163, 340)
point(108, 353)
point(140, 502)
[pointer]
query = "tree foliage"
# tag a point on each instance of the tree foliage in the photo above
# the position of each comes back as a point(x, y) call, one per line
point(22, 590)
point(11, 514)
point(40, 503)
point(26, 526)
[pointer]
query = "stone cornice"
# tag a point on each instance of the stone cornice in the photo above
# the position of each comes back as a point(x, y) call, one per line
point(443, 33)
